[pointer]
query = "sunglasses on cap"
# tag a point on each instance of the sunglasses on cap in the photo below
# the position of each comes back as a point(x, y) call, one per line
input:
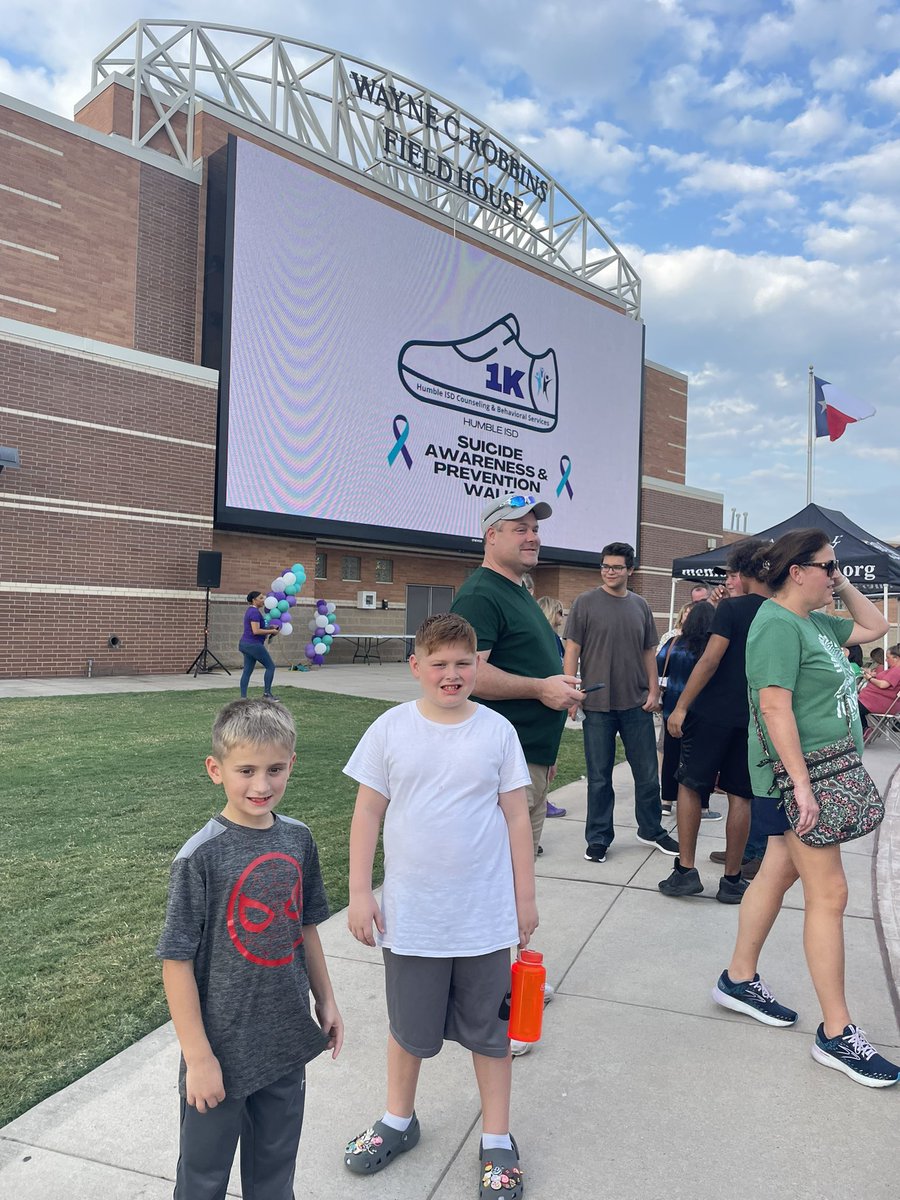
point(515, 501)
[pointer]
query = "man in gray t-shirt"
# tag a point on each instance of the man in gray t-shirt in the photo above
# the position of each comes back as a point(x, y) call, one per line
point(611, 630)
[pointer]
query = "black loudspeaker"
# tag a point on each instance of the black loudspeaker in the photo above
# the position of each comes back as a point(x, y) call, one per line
point(209, 568)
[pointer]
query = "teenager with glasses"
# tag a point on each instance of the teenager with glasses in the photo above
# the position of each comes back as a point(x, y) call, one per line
point(804, 695)
point(612, 632)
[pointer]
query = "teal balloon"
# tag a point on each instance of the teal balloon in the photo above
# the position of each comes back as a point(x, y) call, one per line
point(327, 639)
point(283, 606)
point(291, 589)
point(299, 570)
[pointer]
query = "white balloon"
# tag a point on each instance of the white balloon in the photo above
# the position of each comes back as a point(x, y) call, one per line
point(321, 621)
point(289, 577)
point(278, 584)
point(329, 628)
point(331, 607)
point(312, 626)
point(270, 602)
point(320, 648)
point(287, 628)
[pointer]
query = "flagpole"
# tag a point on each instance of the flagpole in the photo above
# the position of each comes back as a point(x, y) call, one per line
point(811, 437)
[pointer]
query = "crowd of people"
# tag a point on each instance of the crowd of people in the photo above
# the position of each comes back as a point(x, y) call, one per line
point(755, 693)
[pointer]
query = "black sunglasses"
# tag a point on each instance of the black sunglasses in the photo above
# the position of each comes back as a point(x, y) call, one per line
point(828, 567)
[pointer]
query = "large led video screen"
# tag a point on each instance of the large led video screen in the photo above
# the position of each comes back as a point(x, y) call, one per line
point(383, 379)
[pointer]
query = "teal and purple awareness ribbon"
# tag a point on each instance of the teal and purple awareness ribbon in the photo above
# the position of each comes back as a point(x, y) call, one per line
point(565, 466)
point(399, 446)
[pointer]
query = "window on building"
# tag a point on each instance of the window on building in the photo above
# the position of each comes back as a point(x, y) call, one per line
point(321, 566)
point(384, 570)
point(350, 567)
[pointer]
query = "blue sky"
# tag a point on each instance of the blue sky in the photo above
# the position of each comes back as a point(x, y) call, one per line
point(745, 156)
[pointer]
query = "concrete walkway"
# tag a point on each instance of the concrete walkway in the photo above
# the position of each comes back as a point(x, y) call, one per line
point(637, 1064)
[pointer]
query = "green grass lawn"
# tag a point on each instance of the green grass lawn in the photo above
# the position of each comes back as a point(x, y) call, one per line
point(99, 792)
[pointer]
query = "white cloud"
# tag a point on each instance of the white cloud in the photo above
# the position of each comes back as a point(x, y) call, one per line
point(57, 92)
point(816, 125)
point(886, 88)
point(516, 117)
point(596, 158)
point(700, 173)
point(841, 73)
point(738, 90)
point(888, 454)
point(863, 228)
point(747, 133)
point(872, 170)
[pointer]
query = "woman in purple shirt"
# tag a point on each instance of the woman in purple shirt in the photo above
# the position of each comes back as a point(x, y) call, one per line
point(253, 645)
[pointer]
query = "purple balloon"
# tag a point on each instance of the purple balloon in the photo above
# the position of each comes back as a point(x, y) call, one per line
point(319, 659)
point(309, 650)
point(274, 624)
point(280, 595)
point(292, 600)
point(337, 628)
point(321, 607)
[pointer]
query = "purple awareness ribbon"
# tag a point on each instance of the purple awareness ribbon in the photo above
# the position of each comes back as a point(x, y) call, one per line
point(399, 446)
point(565, 466)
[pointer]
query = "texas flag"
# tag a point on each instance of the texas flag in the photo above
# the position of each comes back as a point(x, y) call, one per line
point(835, 410)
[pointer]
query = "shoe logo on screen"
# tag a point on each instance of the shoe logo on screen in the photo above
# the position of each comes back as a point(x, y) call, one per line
point(488, 372)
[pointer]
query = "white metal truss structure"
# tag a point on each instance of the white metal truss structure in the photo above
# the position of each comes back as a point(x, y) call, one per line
point(311, 96)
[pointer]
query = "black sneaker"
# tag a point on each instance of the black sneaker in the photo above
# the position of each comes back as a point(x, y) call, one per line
point(596, 853)
point(855, 1056)
point(730, 892)
point(665, 843)
point(682, 883)
point(752, 998)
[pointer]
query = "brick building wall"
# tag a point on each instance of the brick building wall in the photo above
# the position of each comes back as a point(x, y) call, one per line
point(70, 205)
point(166, 300)
point(115, 424)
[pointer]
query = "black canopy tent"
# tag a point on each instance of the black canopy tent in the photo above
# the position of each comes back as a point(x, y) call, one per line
point(872, 565)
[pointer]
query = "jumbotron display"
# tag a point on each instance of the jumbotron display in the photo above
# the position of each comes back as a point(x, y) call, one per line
point(383, 379)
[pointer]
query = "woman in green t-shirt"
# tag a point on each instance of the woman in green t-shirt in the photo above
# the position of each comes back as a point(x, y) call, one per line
point(804, 695)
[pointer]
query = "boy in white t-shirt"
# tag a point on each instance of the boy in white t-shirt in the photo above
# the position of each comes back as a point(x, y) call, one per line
point(448, 777)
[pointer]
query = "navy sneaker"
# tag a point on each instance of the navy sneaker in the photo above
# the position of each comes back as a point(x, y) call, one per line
point(752, 998)
point(853, 1054)
point(667, 844)
point(596, 853)
point(682, 883)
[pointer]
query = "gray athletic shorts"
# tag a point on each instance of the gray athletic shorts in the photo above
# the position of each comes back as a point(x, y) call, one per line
point(457, 999)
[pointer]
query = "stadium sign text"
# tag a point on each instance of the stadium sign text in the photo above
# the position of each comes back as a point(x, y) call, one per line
point(415, 155)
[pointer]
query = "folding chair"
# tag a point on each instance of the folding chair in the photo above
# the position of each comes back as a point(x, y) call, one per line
point(885, 725)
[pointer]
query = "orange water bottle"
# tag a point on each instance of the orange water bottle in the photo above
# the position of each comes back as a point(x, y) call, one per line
point(526, 1006)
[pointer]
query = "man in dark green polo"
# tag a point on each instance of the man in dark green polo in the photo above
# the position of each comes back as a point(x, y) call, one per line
point(518, 659)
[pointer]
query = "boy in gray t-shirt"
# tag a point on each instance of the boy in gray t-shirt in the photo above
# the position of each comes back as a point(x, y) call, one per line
point(241, 953)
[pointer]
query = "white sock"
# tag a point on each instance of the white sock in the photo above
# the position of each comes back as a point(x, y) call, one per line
point(399, 1123)
point(496, 1141)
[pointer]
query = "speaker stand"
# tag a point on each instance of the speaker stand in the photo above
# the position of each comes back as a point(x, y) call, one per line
point(206, 661)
